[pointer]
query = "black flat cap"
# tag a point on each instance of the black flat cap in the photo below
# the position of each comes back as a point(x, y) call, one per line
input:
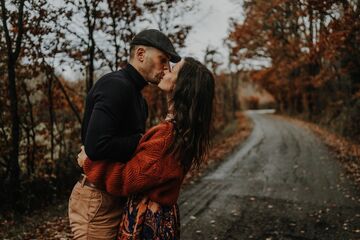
point(155, 38)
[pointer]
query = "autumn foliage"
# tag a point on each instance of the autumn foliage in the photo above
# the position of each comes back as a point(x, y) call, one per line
point(41, 111)
point(311, 50)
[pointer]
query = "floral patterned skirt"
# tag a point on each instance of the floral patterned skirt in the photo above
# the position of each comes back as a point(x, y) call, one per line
point(144, 219)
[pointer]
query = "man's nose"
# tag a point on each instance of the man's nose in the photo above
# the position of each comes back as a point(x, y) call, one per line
point(167, 67)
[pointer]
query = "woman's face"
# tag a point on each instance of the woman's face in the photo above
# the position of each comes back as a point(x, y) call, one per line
point(167, 83)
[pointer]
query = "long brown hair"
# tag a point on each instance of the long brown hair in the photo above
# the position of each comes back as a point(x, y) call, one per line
point(193, 103)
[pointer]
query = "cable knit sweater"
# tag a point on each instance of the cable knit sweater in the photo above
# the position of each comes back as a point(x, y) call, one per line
point(151, 171)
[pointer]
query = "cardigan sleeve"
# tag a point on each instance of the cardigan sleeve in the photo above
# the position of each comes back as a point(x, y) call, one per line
point(147, 168)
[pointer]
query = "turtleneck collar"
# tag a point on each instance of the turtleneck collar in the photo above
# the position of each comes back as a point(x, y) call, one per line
point(135, 76)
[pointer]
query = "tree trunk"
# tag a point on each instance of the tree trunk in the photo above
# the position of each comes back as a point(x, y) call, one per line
point(15, 128)
point(305, 102)
point(14, 169)
point(311, 28)
point(115, 37)
point(234, 88)
point(90, 80)
point(51, 112)
point(91, 44)
point(31, 135)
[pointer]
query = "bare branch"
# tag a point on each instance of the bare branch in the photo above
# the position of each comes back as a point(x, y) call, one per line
point(6, 30)
point(20, 29)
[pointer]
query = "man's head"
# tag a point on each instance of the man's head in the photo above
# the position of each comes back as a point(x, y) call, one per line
point(150, 54)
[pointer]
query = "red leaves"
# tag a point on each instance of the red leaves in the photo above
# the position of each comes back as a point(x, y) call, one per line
point(313, 47)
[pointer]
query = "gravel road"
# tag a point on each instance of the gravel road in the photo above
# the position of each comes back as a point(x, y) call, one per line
point(282, 183)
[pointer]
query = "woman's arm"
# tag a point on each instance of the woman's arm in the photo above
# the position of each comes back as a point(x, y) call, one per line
point(147, 169)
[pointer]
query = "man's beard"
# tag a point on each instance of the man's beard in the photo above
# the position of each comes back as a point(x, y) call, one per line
point(156, 80)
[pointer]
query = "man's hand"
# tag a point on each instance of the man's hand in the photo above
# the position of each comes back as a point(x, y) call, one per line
point(82, 157)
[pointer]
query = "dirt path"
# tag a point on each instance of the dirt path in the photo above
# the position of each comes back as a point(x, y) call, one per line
point(282, 184)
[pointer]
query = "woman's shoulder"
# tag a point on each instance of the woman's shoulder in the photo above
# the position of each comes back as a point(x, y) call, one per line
point(164, 126)
point(162, 130)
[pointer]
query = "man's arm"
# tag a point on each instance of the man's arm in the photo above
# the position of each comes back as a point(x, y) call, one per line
point(112, 99)
point(101, 143)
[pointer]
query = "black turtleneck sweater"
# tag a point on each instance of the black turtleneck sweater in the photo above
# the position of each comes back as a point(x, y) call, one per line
point(115, 116)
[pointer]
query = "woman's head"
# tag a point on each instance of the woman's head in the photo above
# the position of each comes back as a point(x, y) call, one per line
point(191, 86)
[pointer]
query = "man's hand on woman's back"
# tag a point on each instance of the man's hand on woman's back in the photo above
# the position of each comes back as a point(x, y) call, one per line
point(82, 157)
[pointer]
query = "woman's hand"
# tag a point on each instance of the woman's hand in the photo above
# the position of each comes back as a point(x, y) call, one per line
point(82, 157)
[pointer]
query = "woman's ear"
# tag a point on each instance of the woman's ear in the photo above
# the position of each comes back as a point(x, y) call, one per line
point(140, 54)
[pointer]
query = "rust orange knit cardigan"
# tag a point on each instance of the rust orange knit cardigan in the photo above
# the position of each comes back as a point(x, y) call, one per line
point(151, 171)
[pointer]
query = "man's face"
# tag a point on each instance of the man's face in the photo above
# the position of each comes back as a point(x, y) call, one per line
point(156, 62)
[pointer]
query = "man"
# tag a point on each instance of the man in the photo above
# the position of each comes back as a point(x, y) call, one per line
point(114, 120)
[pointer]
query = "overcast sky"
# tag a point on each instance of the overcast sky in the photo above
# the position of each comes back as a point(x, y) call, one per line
point(211, 26)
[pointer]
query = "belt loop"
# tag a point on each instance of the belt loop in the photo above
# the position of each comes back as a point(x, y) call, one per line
point(83, 180)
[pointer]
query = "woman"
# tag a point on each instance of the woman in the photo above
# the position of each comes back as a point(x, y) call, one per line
point(153, 177)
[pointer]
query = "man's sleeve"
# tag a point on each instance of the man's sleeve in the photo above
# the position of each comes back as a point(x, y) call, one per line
point(111, 105)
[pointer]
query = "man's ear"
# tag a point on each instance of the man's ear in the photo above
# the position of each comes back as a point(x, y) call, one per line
point(140, 53)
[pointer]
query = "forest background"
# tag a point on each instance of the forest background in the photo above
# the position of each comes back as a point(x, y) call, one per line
point(312, 49)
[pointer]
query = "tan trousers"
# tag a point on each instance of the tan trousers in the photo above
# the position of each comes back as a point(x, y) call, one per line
point(94, 214)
